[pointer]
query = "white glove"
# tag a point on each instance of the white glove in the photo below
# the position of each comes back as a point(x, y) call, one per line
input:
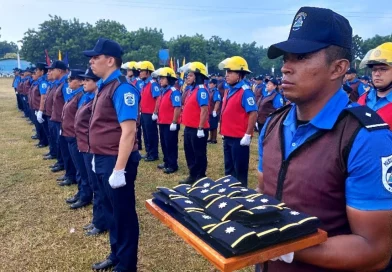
point(200, 133)
point(154, 117)
point(287, 258)
point(39, 117)
point(173, 127)
point(117, 179)
point(257, 126)
point(214, 114)
point(16, 92)
point(245, 140)
point(35, 113)
point(93, 164)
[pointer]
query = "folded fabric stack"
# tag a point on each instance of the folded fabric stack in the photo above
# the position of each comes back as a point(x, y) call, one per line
point(233, 219)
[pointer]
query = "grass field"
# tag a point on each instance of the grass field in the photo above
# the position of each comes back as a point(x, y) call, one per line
point(35, 222)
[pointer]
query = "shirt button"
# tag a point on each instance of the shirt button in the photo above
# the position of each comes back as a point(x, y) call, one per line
point(293, 144)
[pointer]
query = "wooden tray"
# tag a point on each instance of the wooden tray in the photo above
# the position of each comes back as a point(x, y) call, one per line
point(237, 262)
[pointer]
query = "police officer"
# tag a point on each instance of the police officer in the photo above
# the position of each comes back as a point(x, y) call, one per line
point(214, 110)
point(47, 111)
point(38, 101)
point(28, 80)
point(270, 102)
point(179, 81)
point(149, 108)
point(20, 90)
point(352, 84)
point(98, 223)
point(84, 195)
point(238, 117)
point(168, 119)
point(365, 86)
point(379, 60)
point(259, 88)
point(324, 156)
point(195, 120)
point(15, 84)
point(116, 156)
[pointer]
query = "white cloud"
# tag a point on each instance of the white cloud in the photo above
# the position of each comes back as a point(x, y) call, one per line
point(271, 34)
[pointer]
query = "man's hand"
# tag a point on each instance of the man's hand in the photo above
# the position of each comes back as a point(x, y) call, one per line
point(117, 179)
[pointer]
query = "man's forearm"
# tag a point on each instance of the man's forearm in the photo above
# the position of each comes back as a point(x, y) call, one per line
point(156, 108)
point(203, 116)
point(260, 182)
point(251, 122)
point(217, 104)
point(177, 112)
point(344, 252)
point(42, 102)
point(127, 141)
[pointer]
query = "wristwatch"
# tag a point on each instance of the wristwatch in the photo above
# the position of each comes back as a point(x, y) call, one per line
point(200, 128)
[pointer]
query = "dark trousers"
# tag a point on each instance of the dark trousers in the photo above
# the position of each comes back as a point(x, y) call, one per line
point(85, 192)
point(150, 134)
point(50, 130)
point(120, 210)
point(39, 129)
point(70, 170)
point(169, 144)
point(56, 126)
point(195, 152)
point(98, 214)
point(26, 109)
point(236, 159)
point(19, 103)
point(139, 137)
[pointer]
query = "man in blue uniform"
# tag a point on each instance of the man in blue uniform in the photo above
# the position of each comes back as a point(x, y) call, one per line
point(116, 157)
point(15, 83)
point(41, 72)
point(214, 110)
point(365, 86)
point(325, 156)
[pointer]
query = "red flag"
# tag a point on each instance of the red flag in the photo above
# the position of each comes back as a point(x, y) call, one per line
point(47, 58)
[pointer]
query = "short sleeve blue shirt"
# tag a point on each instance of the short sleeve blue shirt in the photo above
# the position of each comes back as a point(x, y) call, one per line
point(369, 181)
point(377, 103)
point(16, 81)
point(125, 99)
point(86, 97)
point(43, 85)
point(216, 97)
point(202, 96)
point(278, 101)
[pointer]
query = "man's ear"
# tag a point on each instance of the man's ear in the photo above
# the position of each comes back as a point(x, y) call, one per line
point(339, 68)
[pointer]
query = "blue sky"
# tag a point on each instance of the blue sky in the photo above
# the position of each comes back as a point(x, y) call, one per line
point(265, 22)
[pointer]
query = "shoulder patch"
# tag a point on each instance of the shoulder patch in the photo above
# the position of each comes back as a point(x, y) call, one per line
point(386, 163)
point(129, 99)
point(173, 89)
point(44, 85)
point(367, 117)
point(152, 81)
point(201, 86)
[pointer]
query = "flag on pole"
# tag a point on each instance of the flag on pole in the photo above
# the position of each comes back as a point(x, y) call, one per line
point(207, 67)
point(60, 58)
point(47, 59)
point(66, 61)
point(171, 63)
point(182, 73)
point(178, 65)
point(17, 55)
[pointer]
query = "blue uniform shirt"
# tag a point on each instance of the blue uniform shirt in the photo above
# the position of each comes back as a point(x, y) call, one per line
point(16, 81)
point(369, 161)
point(43, 84)
point(180, 82)
point(175, 96)
point(278, 101)
point(376, 104)
point(363, 88)
point(248, 99)
point(71, 93)
point(215, 95)
point(155, 90)
point(86, 97)
point(125, 99)
point(202, 96)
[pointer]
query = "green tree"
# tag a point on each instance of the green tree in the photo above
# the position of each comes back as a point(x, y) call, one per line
point(7, 47)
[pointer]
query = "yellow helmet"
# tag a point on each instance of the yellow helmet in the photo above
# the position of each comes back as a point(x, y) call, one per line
point(235, 63)
point(197, 67)
point(131, 65)
point(166, 72)
point(146, 65)
point(382, 54)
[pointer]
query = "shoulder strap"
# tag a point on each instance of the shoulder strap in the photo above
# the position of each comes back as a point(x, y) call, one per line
point(122, 79)
point(367, 118)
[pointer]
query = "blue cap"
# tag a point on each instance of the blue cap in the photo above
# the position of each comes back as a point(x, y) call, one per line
point(365, 78)
point(214, 81)
point(76, 73)
point(351, 71)
point(312, 30)
point(105, 47)
point(260, 77)
point(89, 74)
point(274, 81)
point(58, 64)
point(41, 65)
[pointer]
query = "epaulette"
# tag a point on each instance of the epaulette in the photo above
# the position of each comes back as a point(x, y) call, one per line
point(152, 81)
point(173, 89)
point(122, 79)
point(367, 117)
point(245, 87)
point(202, 86)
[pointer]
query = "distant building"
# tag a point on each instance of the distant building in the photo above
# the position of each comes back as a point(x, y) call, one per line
point(7, 65)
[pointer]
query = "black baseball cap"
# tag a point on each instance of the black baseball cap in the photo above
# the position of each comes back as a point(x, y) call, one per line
point(312, 30)
point(260, 77)
point(105, 47)
point(58, 64)
point(89, 74)
point(214, 81)
point(41, 65)
point(351, 71)
point(76, 73)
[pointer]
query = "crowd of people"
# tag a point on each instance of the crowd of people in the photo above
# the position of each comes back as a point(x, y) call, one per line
point(319, 151)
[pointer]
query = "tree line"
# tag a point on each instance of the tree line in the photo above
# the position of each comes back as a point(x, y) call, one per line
point(73, 36)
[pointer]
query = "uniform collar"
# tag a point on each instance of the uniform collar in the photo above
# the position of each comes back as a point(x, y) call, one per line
point(237, 86)
point(63, 79)
point(373, 95)
point(148, 80)
point(115, 74)
point(354, 81)
point(164, 90)
point(328, 115)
